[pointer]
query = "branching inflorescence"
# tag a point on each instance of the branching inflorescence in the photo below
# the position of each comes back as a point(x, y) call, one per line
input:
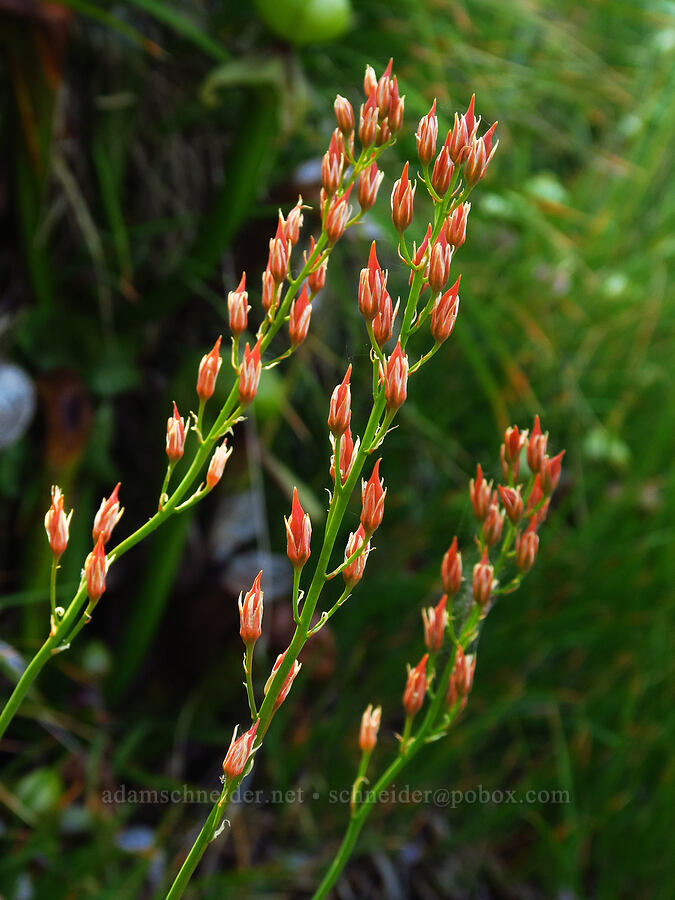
point(508, 518)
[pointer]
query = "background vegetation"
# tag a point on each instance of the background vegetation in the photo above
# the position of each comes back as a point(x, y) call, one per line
point(146, 147)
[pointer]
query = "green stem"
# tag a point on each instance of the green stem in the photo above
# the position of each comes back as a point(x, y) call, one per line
point(52, 587)
point(296, 593)
point(248, 666)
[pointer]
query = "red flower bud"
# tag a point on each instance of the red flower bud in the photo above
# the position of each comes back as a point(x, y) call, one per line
point(344, 114)
point(369, 184)
point(208, 370)
point(251, 612)
point(353, 573)
point(373, 493)
point(439, 263)
point(435, 620)
point(513, 503)
point(550, 472)
point(237, 307)
point(340, 412)
point(451, 570)
point(536, 447)
point(527, 545)
point(416, 687)
point(402, 198)
point(514, 441)
point(418, 256)
point(239, 752)
point(480, 492)
point(483, 575)
point(300, 314)
point(455, 226)
point(290, 678)
point(298, 534)
point(370, 725)
point(95, 568)
point(337, 216)
point(249, 374)
point(427, 135)
point(175, 436)
point(57, 523)
point(217, 465)
point(493, 523)
point(396, 379)
point(444, 314)
point(443, 170)
point(108, 515)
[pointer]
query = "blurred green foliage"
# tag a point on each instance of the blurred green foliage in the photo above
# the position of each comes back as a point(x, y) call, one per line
point(146, 149)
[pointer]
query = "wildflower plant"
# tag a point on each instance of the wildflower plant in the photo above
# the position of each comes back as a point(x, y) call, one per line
point(402, 337)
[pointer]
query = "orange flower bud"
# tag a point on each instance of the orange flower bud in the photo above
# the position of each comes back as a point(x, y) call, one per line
point(344, 114)
point(451, 570)
point(270, 291)
point(337, 216)
point(536, 502)
point(249, 375)
point(175, 436)
point(439, 263)
point(108, 515)
point(370, 725)
point(435, 621)
point(348, 449)
point(396, 107)
point(368, 117)
point(396, 379)
point(373, 493)
point(251, 612)
point(455, 226)
point(479, 156)
point(290, 678)
point(317, 278)
point(402, 198)
point(95, 568)
point(444, 314)
point(443, 170)
point(383, 90)
point(293, 223)
point(237, 307)
point(462, 134)
point(512, 502)
point(369, 184)
point(209, 368)
point(239, 752)
point(217, 465)
point(279, 256)
point(332, 166)
point(369, 81)
point(550, 472)
point(536, 447)
point(480, 492)
point(57, 523)
point(300, 314)
point(463, 672)
point(372, 284)
point(383, 323)
point(527, 545)
point(493, 523)
point(483, 575)
point(353, 573)
point(427, 135)
point(298, 534)
point(416, 687)
point(340, 413)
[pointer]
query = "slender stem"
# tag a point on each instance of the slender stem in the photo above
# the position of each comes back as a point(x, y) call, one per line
point(52, 587)
point(248, 667)
point(296, 593)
